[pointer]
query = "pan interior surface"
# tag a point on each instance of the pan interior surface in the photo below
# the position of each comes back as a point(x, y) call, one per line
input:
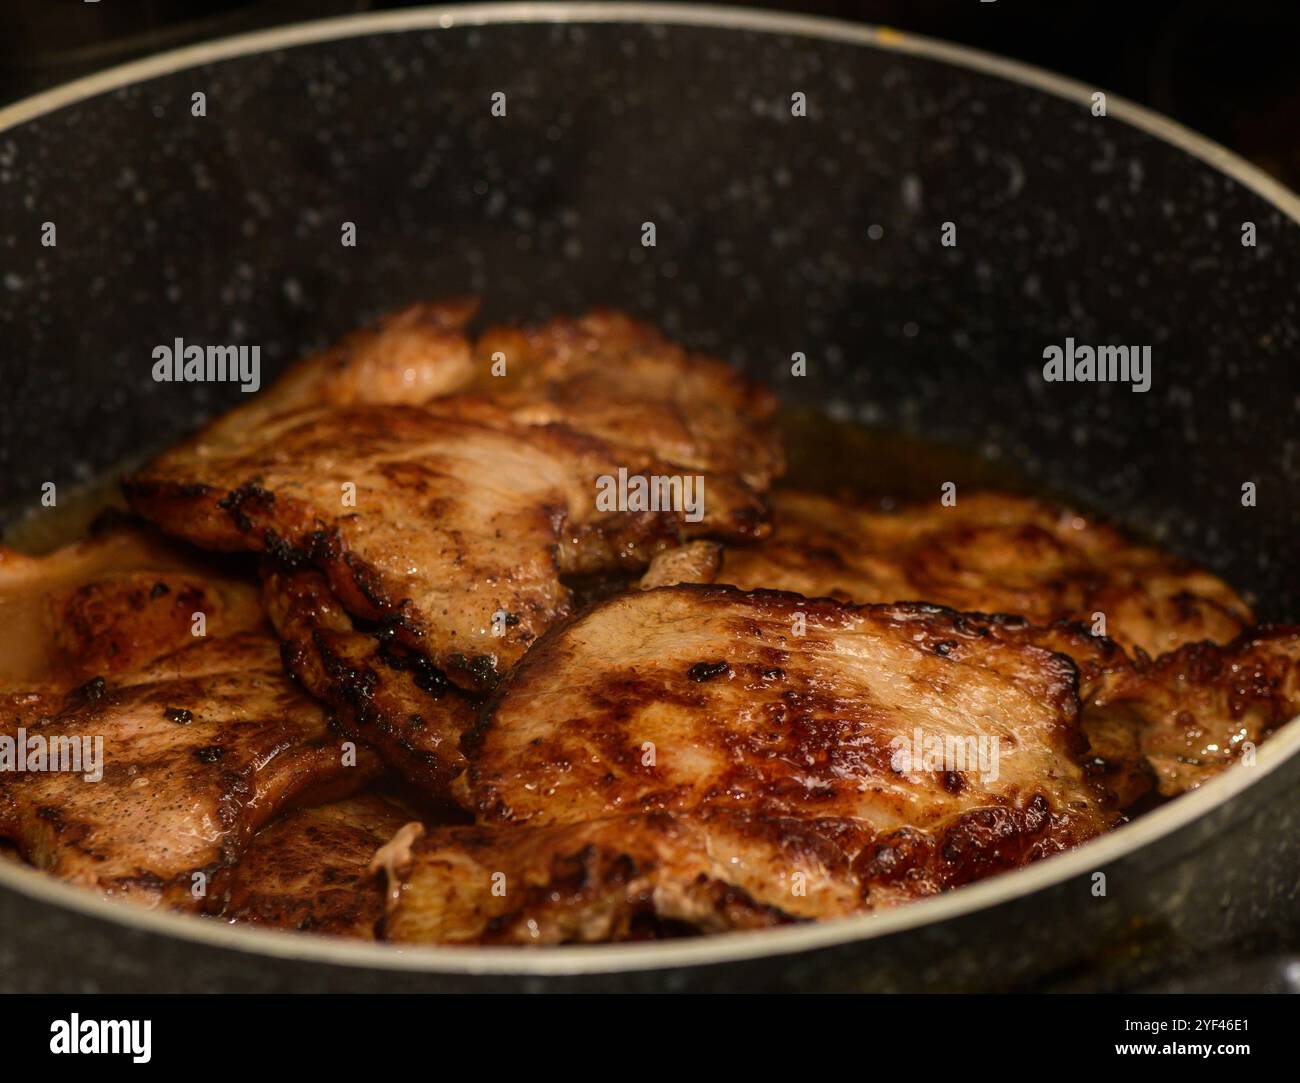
point(777, 234)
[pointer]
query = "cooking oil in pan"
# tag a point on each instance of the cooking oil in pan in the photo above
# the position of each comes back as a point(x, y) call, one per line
point(40, 529)
point(884, 468)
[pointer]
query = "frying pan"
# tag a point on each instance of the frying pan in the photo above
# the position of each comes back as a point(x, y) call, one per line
point(775, 234)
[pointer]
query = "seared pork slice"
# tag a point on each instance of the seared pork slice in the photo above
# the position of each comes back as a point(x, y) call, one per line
point(1166, 723)
point(309, 871)
point(661, 874)
point(448, 501)
point(995, 553)
point(110, 604)
point(604, 374)
point(454, 532)
point(1175, 722)
point(624, 382)
point(406, 357)
point(905, 718)
point(621, 878)
point(382, 693)
point(143, 786)
point(697, 758)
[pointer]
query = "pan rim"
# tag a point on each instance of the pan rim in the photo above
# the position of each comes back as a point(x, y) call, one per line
point(699, 15)
point(727, 947)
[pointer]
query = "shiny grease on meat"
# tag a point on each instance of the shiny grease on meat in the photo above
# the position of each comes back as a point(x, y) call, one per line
point(644, 757)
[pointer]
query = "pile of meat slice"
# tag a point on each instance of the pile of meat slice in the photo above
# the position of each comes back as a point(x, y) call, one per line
point(375, 661)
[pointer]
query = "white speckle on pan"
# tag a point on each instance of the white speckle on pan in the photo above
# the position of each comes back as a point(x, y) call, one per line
point(1136, 175)
point(911, 192)
point(1015, 174)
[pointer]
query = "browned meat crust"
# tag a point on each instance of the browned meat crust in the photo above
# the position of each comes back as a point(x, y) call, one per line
point(671, 759)
point(198, 750)
point(735, 707)
point(109, 605)
point(383, 694)
point(1173, 723)
point(443, 518)
point(406, 357)
point(696, 562)
point(309, 870)
point(662, 874)
point(1010, 554)
point(992, 553)
point(622, 381)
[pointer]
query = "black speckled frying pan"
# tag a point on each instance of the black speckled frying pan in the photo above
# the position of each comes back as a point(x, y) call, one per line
point(775, 234)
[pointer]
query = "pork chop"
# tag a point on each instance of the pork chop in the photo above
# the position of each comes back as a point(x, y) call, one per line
point(663, 874)
point(308, 871)
point(693, 758)
point(164, 774)
point(453, 521)
point(454, 532)
point(112, 603)
point(1171, 724)
point(993, 553)
point(1197, 674)
point(684, 697)
point(382, 693)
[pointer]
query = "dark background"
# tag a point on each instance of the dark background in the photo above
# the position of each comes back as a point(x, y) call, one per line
point(1228, 70)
